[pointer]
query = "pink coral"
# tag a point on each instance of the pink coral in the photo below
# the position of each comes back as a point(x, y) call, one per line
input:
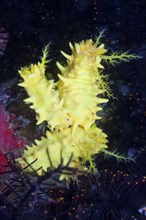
point(8, 139)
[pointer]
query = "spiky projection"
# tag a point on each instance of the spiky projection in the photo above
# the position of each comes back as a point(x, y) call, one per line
point(70, 106)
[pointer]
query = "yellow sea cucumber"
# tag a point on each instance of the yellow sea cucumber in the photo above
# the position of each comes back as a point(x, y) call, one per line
point(69, 106)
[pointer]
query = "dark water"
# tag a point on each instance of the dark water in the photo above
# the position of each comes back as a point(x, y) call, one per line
point(27, 26)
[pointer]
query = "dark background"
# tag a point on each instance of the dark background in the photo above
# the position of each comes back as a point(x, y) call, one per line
point(33, 24)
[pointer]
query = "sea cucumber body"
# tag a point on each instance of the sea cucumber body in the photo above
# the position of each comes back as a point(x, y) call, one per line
point(69, 107)
point(78, 88)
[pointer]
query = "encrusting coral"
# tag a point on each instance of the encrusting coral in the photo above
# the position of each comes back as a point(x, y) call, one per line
point(70, 107)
